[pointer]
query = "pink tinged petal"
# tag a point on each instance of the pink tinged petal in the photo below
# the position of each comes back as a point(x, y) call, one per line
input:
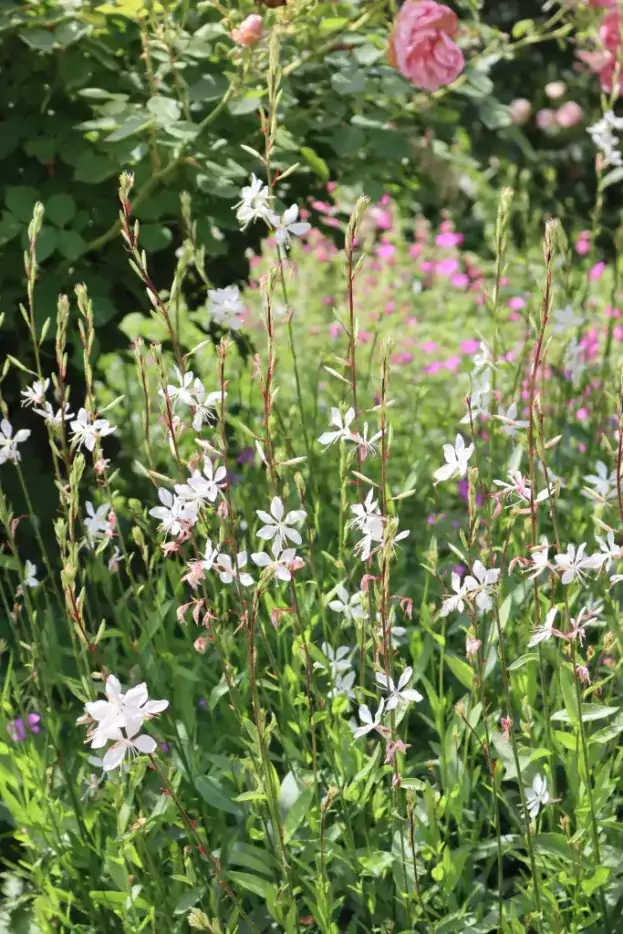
point(114, 757)
point(145, 744)
point(283, 573)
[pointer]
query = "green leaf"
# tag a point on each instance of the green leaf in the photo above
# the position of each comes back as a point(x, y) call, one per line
point(208, 88)
point(461, 670)
point(298, 811)
point(254, 884)
point(590, 712)
point(94, 168)
point(569, 694)
point(60, 209)
point(20, 200)
point(247, 104)
point(71, 244)
point(608, 733)
point(130, 127)
point(350, 81)
point(164, 109)
point(522, 661)
point(154, 237)
point(317, 163)
point(214, 794)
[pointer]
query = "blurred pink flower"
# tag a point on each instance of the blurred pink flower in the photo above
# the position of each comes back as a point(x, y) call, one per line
point(460, 280)
point(520, 110)
point(516, 303)
point(596, 272)
point(449, 238)
point(447, 267)
point(385, 250)
point(249, 32)
point(414, 250)
point(582, 246)
point(421, 46)
point(470, 346)
point(545, 119)
point(428, 346)
point(569, 115)
point(452, 364)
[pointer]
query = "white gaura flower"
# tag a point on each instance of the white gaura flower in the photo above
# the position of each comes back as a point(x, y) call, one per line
point(52, 418)
point(399, 695)
point(339, 659)
point(510, 423)
point(174, 513)
point(367, 518)
point(281, 565)
point(30, 575)
point(574, 563)
point(457, 458)
point(229, 570)
point(368, 724)
point(539, 558)
point(96, 521)
point(484, 358)
point(255, 204)
point(204, 409)
point(480, 582)
point(366, 445)
point(350, 607)
point(289, 226)
point(603, 483)
point(35, 394)
point(480, 397)
point(519, 489)
point(566, 320)
point(127, 711)
point(537, 795)
point(342, 425)
point(9, 442)
point(186, 390)
point(211, 555)
point(132, 744)
point(343, 685)
point(202, 487)
point(88, 433)
point(279, 527)
point(609, 551)
point(226, 307)
point(456, 601)
point(544, 632)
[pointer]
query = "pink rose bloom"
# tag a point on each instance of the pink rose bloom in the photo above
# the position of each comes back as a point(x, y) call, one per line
point(249, 32)
point(520, 110)
point(569, 115)
point(421, 46)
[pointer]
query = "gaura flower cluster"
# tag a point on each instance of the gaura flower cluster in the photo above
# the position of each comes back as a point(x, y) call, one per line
point(119, 720)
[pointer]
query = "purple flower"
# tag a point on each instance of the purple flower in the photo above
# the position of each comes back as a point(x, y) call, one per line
point(246, 456)
point(17, 729)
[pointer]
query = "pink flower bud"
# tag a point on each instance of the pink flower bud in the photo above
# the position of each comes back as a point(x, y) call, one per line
point(249, 32)
point(545, 119)
point(201, 644)
point(555, 90)
point(520, 110)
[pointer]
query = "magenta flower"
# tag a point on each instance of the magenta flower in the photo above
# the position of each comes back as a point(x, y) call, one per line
point(17, 729)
